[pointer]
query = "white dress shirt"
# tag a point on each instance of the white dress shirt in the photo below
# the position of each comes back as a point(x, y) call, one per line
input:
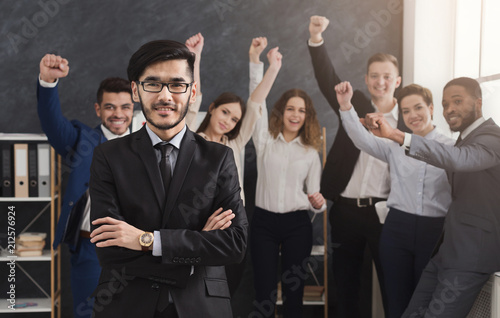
point(370, 177)
point(287, 171)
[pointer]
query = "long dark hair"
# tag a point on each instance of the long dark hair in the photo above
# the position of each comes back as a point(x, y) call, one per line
point(225, 98)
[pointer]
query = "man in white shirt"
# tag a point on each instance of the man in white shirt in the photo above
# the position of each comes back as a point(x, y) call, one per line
point(468, 254)
point(75, 142)
point(354, 180)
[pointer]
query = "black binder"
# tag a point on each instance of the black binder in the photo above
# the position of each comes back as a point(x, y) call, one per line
point(32, 170)
point(7, 185)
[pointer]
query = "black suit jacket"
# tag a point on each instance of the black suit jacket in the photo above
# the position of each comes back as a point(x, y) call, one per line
point(126, 184)
point(343, 154)
point(472, 227)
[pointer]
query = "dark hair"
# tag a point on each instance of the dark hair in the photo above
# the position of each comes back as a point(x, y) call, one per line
point(382, 57)
point(471, 86)
point(415, 89)
point(158, 51)
point(310, 132)
point(225, 98)
point(113, 85)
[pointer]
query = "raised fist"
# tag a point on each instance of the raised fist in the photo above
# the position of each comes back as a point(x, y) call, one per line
point(53, 67)
point(317, 26)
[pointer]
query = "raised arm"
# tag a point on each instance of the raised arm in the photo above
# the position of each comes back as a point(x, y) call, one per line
point(323, 68)
point(60, 132)
point(259, 94)
point(261, 132)
point(195, 44)
point(361, 138)
point(324, 71)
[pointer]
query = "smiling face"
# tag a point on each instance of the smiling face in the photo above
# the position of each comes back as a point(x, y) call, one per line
point(164, 110)
point(382, 80)
point(460, 109)
point(294, 116)
point(116, 111)
point(417, 115)
point(224, 118)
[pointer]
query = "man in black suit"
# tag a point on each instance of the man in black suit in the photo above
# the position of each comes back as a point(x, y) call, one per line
point(468, 254)
point(353, 180)
point(167, 180)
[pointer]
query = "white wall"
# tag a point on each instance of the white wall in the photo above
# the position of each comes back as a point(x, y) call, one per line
point(428, 48)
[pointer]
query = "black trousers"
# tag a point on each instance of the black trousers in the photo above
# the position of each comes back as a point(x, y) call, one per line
point(353, 228)
point(406, 245)
point(270, 233)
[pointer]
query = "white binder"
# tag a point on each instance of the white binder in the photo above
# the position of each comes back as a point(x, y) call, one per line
point(21, 170)
point(43, 170)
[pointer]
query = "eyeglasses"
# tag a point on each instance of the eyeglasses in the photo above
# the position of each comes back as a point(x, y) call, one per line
point(156, 87)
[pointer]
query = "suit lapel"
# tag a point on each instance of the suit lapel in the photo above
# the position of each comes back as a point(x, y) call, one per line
point(466, 141)
point(141, 143)
point(186, 153)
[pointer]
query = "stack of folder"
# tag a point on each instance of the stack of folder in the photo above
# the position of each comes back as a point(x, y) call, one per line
point(25, 169)
point(30, 243)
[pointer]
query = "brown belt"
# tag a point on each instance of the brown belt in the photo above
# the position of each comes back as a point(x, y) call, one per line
point(85, 234)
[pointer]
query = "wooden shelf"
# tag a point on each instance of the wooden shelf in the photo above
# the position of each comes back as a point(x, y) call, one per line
point(45, 257)
point(23, 137)
point(43, 305)
point(26, 199)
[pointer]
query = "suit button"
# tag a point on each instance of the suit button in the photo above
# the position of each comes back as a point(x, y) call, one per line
point(155, 286)
point(175, 260)
point(70, 203)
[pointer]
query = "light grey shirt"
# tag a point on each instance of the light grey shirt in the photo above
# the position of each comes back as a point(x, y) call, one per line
point(416, 187)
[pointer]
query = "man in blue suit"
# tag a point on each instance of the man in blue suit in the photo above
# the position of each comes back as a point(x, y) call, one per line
point(75, 142)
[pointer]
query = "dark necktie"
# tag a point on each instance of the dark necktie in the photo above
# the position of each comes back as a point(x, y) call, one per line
point(165, 167)
point(458, 140)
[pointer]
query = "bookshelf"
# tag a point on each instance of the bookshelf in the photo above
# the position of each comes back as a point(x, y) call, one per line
point(46, 207)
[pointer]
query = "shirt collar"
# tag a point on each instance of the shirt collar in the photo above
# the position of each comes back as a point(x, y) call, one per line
point(471, 127)
point(110, 136)
point(176, 141)
point(295, 140)
point(394, 113)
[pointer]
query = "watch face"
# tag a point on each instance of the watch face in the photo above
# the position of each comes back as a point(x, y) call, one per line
point(146, 239)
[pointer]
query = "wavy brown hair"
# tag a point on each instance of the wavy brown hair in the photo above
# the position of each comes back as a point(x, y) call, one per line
point(309, 133)
point(225, 98)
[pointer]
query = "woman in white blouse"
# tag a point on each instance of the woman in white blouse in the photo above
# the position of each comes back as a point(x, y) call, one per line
point(419, 198)
point(230, 121)
point(289, 172)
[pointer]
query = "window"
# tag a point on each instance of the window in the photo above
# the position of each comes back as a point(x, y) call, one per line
point(477, 49)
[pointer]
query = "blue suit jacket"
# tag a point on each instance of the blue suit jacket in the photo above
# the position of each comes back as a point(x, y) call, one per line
point(75, 142)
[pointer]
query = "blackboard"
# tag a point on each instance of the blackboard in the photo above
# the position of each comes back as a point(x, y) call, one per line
point(98, 38)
